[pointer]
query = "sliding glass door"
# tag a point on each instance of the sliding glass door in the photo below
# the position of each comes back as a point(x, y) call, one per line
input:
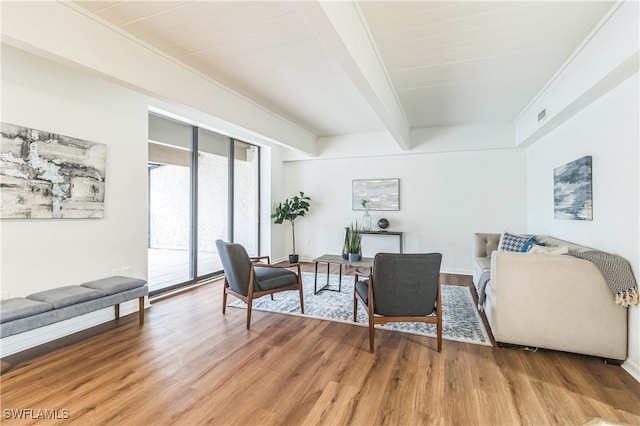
point(203, 186)
point(213, 198)
point(246, 196)
point(169, 168)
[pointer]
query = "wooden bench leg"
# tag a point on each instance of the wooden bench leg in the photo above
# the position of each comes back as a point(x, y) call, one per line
point(117, 307)
point(141, 310)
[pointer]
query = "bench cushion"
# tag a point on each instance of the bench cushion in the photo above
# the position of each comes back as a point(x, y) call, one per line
point(113, 285)
point(65, 296)
point(19, 307)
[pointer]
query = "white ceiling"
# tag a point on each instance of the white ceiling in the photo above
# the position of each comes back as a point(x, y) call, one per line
point(443, 63)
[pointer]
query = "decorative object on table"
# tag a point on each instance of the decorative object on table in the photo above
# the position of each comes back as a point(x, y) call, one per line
point(49, 176)
point(355, 243)
point(366, 218)
point(345, 247)
point(572, 190)
point(383, 224)
point(461, 321)
point(381, 194)
point(291, 209)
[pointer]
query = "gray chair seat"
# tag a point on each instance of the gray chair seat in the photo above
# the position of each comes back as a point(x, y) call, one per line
point(271, 278)
point(362, 289)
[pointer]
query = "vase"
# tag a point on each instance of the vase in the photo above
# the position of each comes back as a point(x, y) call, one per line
point(355, 257)
point(366, 221)
point(345, 248)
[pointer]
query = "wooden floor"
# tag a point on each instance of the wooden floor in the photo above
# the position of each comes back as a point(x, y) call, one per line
point(190, 365)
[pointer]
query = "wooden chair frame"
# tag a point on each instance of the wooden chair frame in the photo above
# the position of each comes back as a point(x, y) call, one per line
point(248, 299)
point(379, 319)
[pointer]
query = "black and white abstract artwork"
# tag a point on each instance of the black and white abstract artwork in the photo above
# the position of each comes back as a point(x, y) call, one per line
point(49, 176)
point(381, 194)
point(572, 190)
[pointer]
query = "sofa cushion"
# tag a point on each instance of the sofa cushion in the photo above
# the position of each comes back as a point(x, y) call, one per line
point(19, 307)
point(511, 242)
point(65, 296)
point(484, 263)
point(113, 285)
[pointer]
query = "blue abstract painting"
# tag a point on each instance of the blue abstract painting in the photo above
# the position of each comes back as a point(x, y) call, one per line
point(572, 190)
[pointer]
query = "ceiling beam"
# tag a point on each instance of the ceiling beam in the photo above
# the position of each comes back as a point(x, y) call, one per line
point(342, 29)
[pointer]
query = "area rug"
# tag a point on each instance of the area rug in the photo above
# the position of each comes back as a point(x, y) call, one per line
point(461, 321)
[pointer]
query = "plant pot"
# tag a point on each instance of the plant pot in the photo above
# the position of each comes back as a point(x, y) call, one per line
point(293, 258)
point(355, 257)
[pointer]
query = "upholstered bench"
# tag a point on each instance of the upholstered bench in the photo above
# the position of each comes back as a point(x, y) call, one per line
point(21, 314)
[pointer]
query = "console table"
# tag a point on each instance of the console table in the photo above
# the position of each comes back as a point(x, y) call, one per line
point(388, 233)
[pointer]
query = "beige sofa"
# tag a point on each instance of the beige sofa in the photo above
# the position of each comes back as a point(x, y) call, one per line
point(549, 301)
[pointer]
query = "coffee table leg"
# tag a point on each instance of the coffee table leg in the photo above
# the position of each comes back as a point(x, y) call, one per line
point(340, 281)
point(328, 264)
point(315, 282)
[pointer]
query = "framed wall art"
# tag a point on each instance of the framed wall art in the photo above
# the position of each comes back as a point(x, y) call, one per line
point(49, 176)
point(572, 190)
point(382, 194)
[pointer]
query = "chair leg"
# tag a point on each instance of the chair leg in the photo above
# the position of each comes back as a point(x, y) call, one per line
point(224, 297)
point(371, 331)
point(439, 315)
point(249, 302)
point(301, 296)
point(355, 308)
point(141, 310)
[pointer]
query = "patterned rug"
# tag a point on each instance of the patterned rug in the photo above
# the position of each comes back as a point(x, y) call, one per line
point(461, 321)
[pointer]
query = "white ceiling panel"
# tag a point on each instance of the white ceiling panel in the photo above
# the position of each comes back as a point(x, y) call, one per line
point(448, 62)
point(441, 56)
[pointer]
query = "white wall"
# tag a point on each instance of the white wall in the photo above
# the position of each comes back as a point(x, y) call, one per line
point(42, 254)
point(608, 130)
point(444, 199)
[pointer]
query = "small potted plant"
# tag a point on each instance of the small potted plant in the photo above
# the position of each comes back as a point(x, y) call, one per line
point(291, 209)
point(355, 243)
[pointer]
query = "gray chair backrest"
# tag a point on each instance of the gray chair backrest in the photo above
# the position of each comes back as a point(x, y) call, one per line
point(236, 265)
point(405, 284)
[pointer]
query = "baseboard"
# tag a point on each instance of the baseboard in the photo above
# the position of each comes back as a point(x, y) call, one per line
point(632, 368)
point(19, 342)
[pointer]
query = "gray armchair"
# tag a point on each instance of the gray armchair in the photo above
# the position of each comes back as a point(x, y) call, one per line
point(248, 280)
point(401, 288)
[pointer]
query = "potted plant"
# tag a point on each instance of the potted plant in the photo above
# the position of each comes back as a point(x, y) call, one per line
point(355, 243)
point(291, 209)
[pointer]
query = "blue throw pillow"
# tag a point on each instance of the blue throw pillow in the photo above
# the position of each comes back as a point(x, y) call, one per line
point(530, 243)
